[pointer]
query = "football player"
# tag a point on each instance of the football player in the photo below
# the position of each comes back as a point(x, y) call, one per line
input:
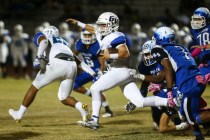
point(188, 79)
point(5, 40)
point(201, 38)
point(154, 72)
point(89, 48)
point(19, 50)
point(115, 52)
point(61, 66)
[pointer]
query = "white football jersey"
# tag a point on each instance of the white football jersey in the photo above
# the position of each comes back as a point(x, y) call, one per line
point(113, 40)
point(58, 45)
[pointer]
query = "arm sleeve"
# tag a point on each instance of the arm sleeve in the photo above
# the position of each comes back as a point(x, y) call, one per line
point(42, 47)
point(195, 52)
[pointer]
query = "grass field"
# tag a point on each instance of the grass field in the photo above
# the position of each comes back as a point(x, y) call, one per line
point(48, 119)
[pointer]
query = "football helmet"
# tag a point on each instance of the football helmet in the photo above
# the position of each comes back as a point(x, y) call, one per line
point(45, 24)
point(164, 35)
point(63, 27)
point(175, 27)
point(18, 30)
point(136, 28)
point(107, 23)
point(146, 52)
point(200, 18)
point(51, 30)
point(87, 37)
point(38, 29)
point(1, 25)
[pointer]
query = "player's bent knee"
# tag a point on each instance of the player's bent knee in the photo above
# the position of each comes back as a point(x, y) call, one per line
point(198, 119)
point(94, 89)
point(62, 98)
point(64, 101)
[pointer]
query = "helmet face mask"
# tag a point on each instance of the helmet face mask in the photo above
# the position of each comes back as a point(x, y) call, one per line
point(87, 38)
point(146, 52)
point(51, 31)
point(200, 18)
point(107, 23)
point(164, 35)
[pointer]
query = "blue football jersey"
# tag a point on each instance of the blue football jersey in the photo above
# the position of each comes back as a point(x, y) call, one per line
point(202, 37)
point(182, 62)
point(89, 55)
point(150, 70)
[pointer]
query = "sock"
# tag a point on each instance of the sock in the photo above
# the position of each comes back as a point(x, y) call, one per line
point(96, 106)
point(154, 101)
point(22, 110)
point(78, 106)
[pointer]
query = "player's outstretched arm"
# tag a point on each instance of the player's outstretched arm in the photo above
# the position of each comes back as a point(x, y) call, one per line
point(84, 26)
point(202, 47)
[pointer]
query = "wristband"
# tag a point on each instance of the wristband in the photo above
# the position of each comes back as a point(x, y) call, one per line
point(141, 77)
point(80, 24)
point(114, 56)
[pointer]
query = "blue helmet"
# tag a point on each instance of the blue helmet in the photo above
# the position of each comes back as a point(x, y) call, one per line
point(200, 18)
point(146, 52)
point(164, 35)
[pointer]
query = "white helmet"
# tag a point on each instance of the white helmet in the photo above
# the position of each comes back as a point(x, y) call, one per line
point(39, 29)
point(174, 27)
point(63, 27)
point(51, 30)
point(107, 23)
point(136, 28)
point(146, 52)
point(18, 30)
point(2, 26)
point(45, 24)
point(87, 37)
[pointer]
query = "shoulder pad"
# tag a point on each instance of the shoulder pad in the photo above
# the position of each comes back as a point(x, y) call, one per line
point(36, 38)
point(157, 46)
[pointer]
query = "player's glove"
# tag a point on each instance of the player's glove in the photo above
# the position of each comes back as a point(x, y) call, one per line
point(136, 75)
point(36, 63)
point(130, 106)
point(97, 76)
point(154, 88)
point(170, 99)
point(182, 126)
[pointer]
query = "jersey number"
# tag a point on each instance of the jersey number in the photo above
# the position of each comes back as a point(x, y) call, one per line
point(59, 40)
point(184, 51)
point(89, 61)
point(204, 38)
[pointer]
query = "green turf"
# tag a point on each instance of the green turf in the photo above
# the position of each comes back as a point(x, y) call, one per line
point(48, 119)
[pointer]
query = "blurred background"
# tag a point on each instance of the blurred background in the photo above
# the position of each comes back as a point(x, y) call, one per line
point(21, 19)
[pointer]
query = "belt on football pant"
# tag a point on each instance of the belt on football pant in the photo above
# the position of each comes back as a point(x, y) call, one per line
point(64, 56)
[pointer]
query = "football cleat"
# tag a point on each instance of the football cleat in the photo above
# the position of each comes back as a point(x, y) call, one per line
point(87, 114)
point(90, 124)
point(15, 115)
point(129, 107)
point(107, 114)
